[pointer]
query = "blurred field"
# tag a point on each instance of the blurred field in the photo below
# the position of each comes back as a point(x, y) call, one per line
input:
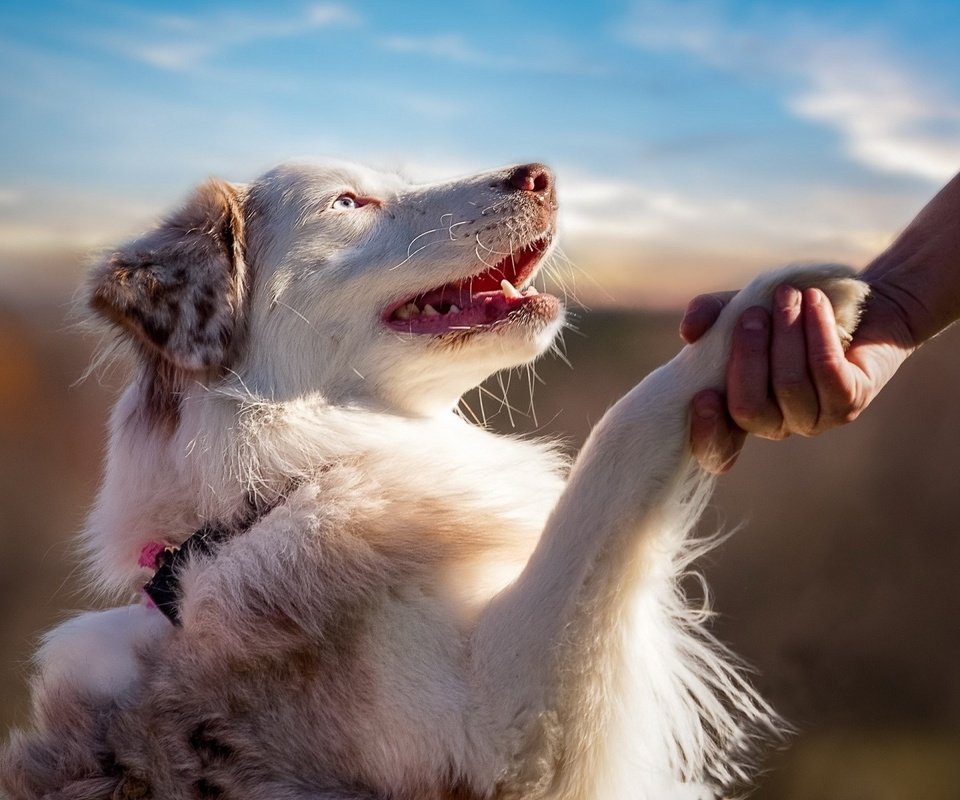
point(840, 587)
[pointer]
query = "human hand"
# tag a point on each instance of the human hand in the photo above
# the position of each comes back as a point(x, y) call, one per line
point(788, 372)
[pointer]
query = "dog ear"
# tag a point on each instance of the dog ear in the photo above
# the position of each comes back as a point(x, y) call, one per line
point(178, 288)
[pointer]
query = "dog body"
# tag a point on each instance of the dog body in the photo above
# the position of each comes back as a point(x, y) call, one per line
point(419, 608)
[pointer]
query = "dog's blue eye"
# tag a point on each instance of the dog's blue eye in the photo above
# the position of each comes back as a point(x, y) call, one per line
point(345, 201)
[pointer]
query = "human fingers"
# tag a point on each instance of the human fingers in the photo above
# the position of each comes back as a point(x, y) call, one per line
point(715, 440)
point(793, 389)
point(748, 377)
point(837, 383)
point(701, 313)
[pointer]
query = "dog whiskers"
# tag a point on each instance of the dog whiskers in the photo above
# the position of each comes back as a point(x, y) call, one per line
point(481, 259)
point(531, 380)
point(506, 402)
point(466, 406)
point(491, 250)
point(420, 236)
point(483, 412)
point(503, 402)
point(455, 225)
point(411, 253)
point(279, 302)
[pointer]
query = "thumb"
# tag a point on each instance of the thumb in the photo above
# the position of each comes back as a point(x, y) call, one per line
point(701, 313)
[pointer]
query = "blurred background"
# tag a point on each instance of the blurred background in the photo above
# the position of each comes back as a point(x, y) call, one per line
point(695, 144)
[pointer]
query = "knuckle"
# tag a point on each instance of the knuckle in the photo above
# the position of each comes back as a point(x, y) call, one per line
point(840, 414)
point(791, 385)
point(827, 367)
point(758, 423)
point(849, 401)
point(744, 410)
point(825, 359)
point(774, 434)
point(844, 401)
point(850, 414)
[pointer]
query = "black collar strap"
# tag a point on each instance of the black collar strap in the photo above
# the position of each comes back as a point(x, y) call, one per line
point(164, 587)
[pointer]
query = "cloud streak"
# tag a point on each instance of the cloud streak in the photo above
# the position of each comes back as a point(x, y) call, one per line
point(179, 43)
point(448, 46)
point(552, 57)
point(890, 120)
point(889, 117)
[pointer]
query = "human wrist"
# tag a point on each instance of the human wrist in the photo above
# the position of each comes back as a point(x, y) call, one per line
point(897, 314)
point(919, 277)
point(920, 271)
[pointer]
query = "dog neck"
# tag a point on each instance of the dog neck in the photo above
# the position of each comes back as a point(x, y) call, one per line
point(163, 590)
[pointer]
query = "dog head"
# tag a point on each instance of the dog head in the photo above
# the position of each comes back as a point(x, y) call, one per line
point(341, 282)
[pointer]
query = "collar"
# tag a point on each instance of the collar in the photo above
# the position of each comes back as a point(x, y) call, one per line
point(164, 589)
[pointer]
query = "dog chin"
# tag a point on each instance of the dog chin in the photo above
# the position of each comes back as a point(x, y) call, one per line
point(447, 366)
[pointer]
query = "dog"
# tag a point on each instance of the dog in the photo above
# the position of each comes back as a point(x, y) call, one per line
point(350, 592)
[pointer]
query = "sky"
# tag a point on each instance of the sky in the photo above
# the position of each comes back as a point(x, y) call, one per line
point(694, 142)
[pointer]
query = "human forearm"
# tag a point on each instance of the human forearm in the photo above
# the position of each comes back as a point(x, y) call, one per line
point(920, 271)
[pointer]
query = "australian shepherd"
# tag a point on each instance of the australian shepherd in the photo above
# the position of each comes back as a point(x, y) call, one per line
point(341, 589)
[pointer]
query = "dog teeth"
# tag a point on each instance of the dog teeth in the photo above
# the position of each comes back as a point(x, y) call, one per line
point(430, 311)
point(409, 311)
point(509, 290)
point(453, 309)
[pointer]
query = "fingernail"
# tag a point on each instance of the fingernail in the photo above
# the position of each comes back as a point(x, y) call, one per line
point(815, 297)
point(753, 319)
point(787, 297)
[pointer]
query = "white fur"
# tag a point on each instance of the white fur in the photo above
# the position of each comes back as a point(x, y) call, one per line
point(549, 651)
point(95, 653)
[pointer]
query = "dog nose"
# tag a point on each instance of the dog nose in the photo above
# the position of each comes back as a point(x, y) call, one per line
point(531, 178)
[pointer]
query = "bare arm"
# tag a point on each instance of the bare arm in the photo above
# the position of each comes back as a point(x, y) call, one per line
point(787, 372)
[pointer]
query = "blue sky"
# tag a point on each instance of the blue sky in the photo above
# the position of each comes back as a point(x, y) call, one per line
point(695, 142)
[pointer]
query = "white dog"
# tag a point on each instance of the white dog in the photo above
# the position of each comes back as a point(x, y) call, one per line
point(373, 598)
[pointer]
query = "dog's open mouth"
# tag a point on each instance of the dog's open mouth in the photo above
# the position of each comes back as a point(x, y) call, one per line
point(479, 301)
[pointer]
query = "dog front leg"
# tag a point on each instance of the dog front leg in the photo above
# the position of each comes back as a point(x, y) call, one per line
point(554, 668)
point(546, 650)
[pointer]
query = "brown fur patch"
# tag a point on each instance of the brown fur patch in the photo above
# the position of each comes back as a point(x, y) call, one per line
point(179, 288)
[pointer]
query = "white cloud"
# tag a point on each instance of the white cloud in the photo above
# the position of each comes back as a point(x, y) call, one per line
point(689, 25)
point(608, 208)
point(644, 246)
point(332, 14)
point(172, 56)
point(890, 117)
point(186, 42)
point(450, 47)
point(45, 218)
point(688, 239)
point(430, 106)
point(549, 56)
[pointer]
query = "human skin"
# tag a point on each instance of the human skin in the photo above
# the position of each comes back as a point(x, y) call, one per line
point(788, 372)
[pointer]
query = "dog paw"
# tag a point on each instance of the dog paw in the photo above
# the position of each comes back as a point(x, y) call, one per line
point(845, 292)
point(95, 653)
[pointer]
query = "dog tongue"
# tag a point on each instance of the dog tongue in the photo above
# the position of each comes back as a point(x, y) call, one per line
point(471, 302)
point(483, 310)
